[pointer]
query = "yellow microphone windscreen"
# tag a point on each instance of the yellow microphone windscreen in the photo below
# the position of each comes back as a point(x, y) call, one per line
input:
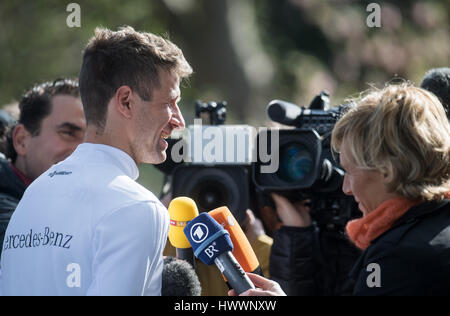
point(181, 210)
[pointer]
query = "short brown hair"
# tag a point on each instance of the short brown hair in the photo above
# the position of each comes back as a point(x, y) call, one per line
point(401, 131)
point(124, 57)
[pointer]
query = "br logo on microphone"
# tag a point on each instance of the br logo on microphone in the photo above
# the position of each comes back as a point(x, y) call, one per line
point(199, 232)
point(211, 250)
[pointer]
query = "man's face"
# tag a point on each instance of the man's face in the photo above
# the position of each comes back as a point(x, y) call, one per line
point(157, 119)
point(60, 133)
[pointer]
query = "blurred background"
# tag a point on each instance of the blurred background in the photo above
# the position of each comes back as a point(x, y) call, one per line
point(245, 52)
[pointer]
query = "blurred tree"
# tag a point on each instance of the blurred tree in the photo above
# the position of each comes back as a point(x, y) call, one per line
point(327, 44)
point(244, 52)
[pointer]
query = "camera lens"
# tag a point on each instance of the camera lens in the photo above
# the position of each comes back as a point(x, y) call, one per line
point(211, 188)
point(214, 186)
point(210, 195)
point(295, 163)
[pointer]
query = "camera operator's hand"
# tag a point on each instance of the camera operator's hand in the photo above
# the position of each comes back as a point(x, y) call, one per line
point(295, 215)
point(264, 287)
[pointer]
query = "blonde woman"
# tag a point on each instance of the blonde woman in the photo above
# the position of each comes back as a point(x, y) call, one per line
point(395, 148)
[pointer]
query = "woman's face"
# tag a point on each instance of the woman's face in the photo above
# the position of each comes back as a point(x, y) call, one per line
point(367, 186)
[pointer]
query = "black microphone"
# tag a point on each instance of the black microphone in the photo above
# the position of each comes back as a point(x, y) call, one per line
point(437, 81)
point(179, 279)
point(283, 112)
point(290, 114)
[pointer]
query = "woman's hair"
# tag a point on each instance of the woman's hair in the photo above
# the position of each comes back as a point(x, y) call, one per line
point(401, 131)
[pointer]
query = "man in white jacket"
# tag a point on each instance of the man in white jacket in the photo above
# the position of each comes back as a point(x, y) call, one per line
point(85, 227)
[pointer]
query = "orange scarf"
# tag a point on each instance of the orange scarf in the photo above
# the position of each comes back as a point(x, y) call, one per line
point(363, 230)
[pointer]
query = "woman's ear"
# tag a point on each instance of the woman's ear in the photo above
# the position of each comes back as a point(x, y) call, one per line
point(388, 176)
point(20, 139)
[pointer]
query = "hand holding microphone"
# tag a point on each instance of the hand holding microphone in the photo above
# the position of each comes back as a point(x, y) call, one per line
point(264, 287)
point(212, 244)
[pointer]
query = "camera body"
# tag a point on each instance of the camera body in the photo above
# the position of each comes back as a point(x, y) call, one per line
point(307, 168)
point(211, 163)
point(218, 164)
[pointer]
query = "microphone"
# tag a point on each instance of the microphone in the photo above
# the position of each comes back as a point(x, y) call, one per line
point(212, 244)
point(283, 112)
point(437, 81)
point(290, 114)
point(243, 251)
point(181, 210)
point(179, 279)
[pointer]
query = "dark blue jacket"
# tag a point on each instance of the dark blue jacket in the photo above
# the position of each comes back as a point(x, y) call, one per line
point(313, 262)
point(11, 191)
point(411, 258)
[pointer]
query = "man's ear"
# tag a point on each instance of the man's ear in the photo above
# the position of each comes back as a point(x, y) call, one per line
point(124, 104)
point(21, 139)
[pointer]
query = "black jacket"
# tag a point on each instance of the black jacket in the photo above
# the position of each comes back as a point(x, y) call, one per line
point(11, 191)
point(308, 261)
point(411, 258)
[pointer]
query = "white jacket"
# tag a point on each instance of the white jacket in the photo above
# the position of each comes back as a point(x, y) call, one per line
point(85, 227)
